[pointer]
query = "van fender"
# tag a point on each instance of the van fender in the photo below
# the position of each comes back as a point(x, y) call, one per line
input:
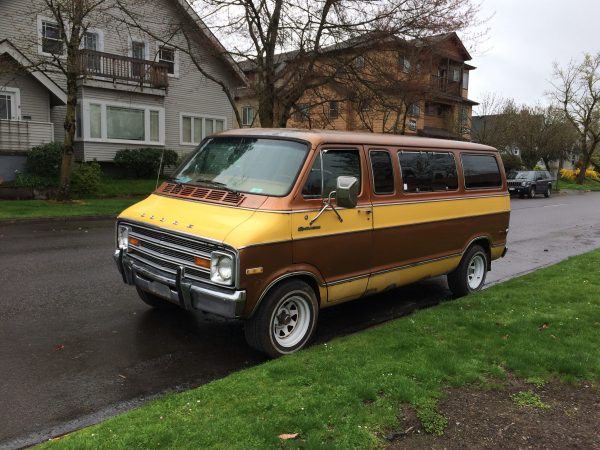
point(487, 247)
point(296, 271)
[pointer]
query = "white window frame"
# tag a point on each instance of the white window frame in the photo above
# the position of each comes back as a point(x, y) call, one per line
point(16, 104)
point(100, 34)
point(140, 41)
point(197, 116)
point(244, 109)
point(85, 110)
point(175, 73)
point(40, 35)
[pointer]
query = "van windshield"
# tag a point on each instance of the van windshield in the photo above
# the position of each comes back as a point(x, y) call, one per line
point(251, 165)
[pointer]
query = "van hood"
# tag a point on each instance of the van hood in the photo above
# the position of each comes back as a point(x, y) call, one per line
point(204, 220)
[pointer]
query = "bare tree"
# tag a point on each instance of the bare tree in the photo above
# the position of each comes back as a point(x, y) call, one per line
point(577, 92)
point(284, 43)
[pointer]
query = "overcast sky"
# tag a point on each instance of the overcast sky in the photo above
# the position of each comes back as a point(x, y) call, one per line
point(525, 37)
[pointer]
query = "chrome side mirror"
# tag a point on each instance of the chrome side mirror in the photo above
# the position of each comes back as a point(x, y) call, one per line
point(346, 192)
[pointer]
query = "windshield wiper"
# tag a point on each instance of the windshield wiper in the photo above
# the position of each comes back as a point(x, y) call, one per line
point(216, 184)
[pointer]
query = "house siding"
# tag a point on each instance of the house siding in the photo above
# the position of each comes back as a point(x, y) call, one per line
point(35, 99)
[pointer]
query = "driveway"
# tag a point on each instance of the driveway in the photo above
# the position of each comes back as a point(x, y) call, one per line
point(78, 346)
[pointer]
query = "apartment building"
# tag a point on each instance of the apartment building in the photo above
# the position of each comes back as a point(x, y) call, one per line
point(417, 87)
point(135, 89)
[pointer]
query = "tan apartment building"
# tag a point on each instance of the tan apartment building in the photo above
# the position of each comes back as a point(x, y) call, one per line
point(417, 87)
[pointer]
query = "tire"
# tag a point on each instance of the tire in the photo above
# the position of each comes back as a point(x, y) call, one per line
point(548, 192)
point(285, 320)
point(470, 275)
point(155, 301)
point(531, 192)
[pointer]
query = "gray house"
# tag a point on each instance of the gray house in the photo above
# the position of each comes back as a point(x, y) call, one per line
point(137, 88)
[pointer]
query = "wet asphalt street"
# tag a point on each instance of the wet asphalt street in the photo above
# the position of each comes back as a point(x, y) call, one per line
point(76, 345)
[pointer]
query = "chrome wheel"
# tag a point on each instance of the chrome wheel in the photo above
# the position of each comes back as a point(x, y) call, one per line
point(291, 320)
point(476, 271)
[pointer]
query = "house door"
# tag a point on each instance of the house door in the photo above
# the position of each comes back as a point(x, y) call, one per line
point(8, 105)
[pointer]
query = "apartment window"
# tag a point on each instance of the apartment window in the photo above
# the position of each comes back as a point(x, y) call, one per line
point(414, 110)
point(383, 173)
point(247, 116)
point(166, 56)
point(481, 171)
point(195, 128)
point(465, 83)
point(334, 109)
point(52, 42)
point(364, 105)
point(302, 111)
point(455, 74)
point(404, 63)
point(428, 171)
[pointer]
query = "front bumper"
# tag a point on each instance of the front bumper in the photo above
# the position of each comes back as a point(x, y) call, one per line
point(518, 189)
point(190, 295)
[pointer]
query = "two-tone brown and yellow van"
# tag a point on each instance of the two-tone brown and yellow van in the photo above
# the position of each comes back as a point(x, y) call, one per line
point(269, 226)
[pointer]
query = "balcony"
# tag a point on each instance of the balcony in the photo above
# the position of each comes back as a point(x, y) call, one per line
point(21, 135)
point(446, 86)
point(94, 64)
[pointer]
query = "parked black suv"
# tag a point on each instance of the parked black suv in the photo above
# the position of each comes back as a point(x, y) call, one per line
point(530, 183)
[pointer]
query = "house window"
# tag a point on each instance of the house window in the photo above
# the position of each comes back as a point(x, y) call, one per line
point(154, 126)
point(247, 116)
point(52, 42)
point(138, 50)
point(166, 56)
point(6, 106)
point(414, 110)
point(334, 109)
point(302, 111)
point(91, 41)
point(404, 63)
point(196, 128)
point(125, 123)
point(95, 121)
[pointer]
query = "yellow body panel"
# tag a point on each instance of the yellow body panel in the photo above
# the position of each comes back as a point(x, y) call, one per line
point(422, 212)
point(356, 219)
point(344, 292)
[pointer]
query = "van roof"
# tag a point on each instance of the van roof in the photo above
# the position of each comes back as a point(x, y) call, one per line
point(317, 137)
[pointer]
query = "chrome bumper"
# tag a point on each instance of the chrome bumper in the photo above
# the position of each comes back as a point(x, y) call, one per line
point(179, 290)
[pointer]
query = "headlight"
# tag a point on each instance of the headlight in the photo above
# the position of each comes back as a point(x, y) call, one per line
point(122, 237)
point(524, 183)
point(221, 268)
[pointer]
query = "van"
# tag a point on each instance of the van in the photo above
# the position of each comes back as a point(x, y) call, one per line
point(271, 225)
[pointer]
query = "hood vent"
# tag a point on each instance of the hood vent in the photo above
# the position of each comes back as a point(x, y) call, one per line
point(200, 193)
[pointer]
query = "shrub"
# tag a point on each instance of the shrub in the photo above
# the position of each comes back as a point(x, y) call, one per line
point(44, 160)
point(511, 162)
point(86, 178)
point(35, 181)
point(144, 162)
point(571, 175)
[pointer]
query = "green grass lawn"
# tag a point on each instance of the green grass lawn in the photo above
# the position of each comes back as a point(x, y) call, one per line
point(112, 197)
point(349, 392)
point(589, 185)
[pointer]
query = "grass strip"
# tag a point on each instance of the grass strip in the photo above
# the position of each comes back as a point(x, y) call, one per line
point(347, 393)
point(41, 209)
point(589, 185)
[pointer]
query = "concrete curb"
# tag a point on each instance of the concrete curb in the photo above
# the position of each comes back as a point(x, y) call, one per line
point(35, 220)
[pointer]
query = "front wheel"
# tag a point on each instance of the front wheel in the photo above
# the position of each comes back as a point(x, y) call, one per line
point(531, 192)
point(548, 192)
point(470, 275)
point(285, 320)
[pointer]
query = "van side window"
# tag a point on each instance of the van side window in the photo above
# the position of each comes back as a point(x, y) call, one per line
point(428, 171)
point(335, 163)
point(383, 173)
point(481, 171)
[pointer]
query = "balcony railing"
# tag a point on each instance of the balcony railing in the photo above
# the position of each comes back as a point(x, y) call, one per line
point(21, 135)
point(123, 68)
point(445, 85)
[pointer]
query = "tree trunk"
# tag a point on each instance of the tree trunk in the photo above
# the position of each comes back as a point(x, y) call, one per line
point(64, 190)
point(586, 158)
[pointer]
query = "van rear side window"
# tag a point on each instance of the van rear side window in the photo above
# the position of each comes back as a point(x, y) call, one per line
point(428, 171)
point(383, 174)
point(481, 171)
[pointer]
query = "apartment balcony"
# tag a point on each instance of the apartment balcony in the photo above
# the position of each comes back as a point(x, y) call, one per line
point(123, 70)
point(21, 135)
point(446, 86)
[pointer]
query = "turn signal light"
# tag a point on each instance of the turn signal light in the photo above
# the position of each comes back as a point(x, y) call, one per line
point(134, 241)
point(202, 262)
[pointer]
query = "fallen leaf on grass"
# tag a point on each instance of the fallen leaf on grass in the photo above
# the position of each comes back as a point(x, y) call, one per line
point(544, 326)
point(59, 347)
point(285, 437)
point(504, 338)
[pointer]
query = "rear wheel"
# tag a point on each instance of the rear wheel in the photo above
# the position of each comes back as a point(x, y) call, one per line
point(470, 275)
point(531, 193)
point(285, 320)
point(548, 192)
point(155, 301)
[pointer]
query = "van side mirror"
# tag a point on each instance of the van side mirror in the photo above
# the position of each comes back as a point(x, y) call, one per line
point(346, 192)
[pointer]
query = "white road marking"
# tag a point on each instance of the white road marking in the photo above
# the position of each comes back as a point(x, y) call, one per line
point(558, 204)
